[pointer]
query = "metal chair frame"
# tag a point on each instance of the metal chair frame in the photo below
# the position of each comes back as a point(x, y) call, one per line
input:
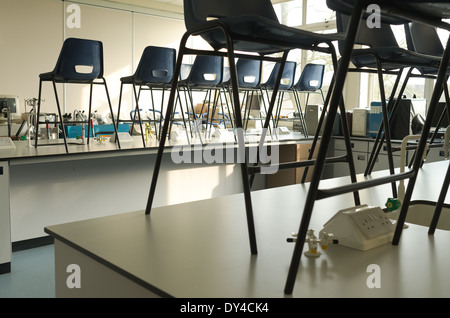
point(221, 28)
point(395, 8)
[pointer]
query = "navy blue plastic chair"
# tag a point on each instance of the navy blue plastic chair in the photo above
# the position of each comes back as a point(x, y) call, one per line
point(287, 77)
point(249, 78)
point(248, 73)
point(154, 72)
point(80, 62)
point(424, 39)
point(309, 82)
point(286, 83)
point(237, 29)
point(205, 77)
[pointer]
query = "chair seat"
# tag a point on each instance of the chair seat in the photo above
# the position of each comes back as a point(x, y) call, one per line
point(51, 76)
point(132, 79)
point(254, 33)
point(392, 58)
point(188, 84)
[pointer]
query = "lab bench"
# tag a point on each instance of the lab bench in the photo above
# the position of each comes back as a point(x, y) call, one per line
point(45, 185)
point(200, 250)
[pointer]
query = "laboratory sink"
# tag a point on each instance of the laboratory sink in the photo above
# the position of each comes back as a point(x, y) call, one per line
point(421, 213)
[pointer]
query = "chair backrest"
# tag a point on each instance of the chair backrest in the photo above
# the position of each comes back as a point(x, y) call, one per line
point(287, 78)
point(423, 38)
point(206, 70)
point(248, 72)
point(311, 78)
point(80, 59)
point(346, 7)
point(372, 37)
point(156, 65)
point(198, 12)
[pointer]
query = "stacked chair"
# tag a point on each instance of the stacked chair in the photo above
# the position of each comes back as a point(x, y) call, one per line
point(239, 29)
point(393, 11)
point(383, 56)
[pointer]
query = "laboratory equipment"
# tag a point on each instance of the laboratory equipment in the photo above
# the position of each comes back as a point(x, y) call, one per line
point(313, 242)
point(360, 122)
point(9, 104)
point(6, 143)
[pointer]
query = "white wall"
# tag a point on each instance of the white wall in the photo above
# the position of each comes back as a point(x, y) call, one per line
point(32, 33)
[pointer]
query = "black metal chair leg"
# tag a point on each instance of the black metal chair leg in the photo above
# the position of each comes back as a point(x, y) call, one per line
point(440, 203)
point(378, 143)
point(441, 118)
point(240, 133)
point(248, 103)
point(348, 146)
point(153, 109)
point(137, 110)
point(163, 135)
point(321, 156)
point(445, 89)
point(300, 113)
point(241, 143)
point(60, 116)
point(387, 131)
point(379, 140)
point(319, 127)
point(119, 107)
point(89, 114)
point(111, 111)
point(422, 142)
point(36, 119)
point(445, 112)
point(192, 110)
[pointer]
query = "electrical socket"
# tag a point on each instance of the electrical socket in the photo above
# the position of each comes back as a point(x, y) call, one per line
point(372, 222)
point(361, 227)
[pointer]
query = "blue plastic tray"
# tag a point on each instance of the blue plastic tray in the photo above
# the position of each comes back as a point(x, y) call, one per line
point(108, 130)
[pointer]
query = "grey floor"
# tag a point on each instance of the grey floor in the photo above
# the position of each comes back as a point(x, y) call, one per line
point(32, 274)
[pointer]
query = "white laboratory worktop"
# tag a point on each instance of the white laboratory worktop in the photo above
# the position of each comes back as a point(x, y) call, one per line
point(107, 179)
point(54, 150)
point(201, 249)
point(45, 185)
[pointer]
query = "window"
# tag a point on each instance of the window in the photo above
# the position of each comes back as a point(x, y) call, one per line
point(290, 13)
point(318, 12)
point(314, 16)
